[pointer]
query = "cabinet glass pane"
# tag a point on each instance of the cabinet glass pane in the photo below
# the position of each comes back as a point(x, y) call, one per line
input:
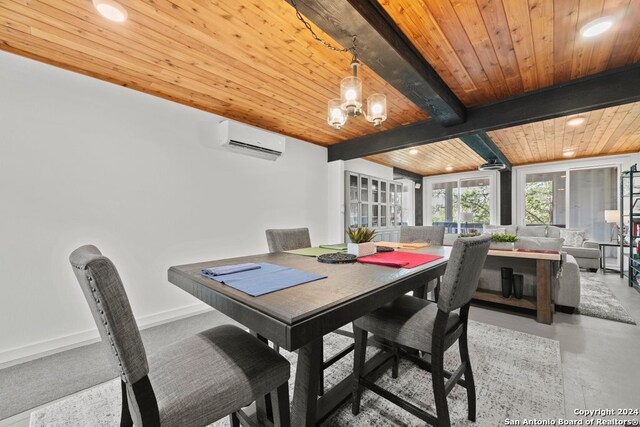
point(353, 187)
point(392, 214)
point(383, 216)
point(374, 215)
point(383, 192)
point(353, 214)
point(364, 215)
point(374, 190)
point(364, 189)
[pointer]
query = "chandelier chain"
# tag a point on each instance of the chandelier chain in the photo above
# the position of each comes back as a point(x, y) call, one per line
point(326, 44)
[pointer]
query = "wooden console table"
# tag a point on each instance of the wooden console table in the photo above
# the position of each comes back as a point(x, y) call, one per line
point(543, 302)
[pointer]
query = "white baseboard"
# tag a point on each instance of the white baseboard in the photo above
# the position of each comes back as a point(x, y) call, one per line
point(40, 349)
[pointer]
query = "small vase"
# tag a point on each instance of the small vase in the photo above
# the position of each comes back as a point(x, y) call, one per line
point(502, 246)
point(361, 249)
point(518, 285)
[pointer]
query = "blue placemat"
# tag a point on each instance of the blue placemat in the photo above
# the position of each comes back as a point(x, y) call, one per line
point(268, 278)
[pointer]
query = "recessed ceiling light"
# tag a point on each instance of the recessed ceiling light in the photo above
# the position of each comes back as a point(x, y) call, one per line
point(413, 151)
point(449, 168)
point(111, 10)
point(576, 121)
point(597, 26)
point(568, 153)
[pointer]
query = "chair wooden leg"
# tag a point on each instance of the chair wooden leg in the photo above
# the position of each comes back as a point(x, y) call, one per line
point(468, 375)
point(396, 362)
point(234, 421)
point(439, 392)
point(125, 416)
point(359, 355)
point(280, 399)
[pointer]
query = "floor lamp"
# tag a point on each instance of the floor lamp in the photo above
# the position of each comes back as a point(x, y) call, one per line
point(613, 217)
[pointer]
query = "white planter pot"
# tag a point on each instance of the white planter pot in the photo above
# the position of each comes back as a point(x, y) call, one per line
point(361, 249)
point(503, 246)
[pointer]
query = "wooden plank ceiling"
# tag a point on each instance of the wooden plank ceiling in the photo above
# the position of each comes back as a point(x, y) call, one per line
point(486, 50)
point(608, 131)
point(613, 130)
point(448, 156)
point(253, 61)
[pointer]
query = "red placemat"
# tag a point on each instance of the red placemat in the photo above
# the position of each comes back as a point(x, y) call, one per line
point(399, 259)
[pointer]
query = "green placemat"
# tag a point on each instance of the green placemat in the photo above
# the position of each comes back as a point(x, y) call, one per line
point(313, 251)
point(338, 247)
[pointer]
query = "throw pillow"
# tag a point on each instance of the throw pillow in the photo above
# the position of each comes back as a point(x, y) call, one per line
point(573, 238)
point(539, 243)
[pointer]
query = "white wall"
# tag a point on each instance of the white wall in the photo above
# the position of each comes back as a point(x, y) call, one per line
point(335, 202)
point(85, 161)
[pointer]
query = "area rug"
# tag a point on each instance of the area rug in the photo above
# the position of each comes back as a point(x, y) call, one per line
point(597, 300)
point(517, 375)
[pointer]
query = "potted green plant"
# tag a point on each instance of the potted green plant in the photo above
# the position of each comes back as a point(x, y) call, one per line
point(505, 242)
point(361, 244)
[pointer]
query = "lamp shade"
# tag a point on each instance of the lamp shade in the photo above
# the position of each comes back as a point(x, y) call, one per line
point(611, 216)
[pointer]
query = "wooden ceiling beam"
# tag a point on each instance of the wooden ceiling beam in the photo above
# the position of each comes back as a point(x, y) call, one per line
point(387, 51)
point(403, 173)
point(615, 87)
point(484, 146)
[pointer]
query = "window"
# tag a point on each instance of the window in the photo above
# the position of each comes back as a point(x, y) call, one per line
point(591, 192)
point(545, 198)
point(462, 204)
point(573, 194)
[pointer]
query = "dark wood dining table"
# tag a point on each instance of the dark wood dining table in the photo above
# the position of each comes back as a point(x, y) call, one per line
point(297, 318)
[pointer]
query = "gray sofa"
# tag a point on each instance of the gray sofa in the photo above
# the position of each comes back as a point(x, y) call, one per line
point(566, 284)
point(587, 255)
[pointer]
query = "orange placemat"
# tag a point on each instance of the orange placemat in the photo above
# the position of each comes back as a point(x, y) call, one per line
point(402, 245)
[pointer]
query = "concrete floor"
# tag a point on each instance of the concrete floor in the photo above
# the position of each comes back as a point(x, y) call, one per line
point(599, 357)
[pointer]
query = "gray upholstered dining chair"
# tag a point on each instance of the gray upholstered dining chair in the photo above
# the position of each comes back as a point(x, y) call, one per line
point(422, 234)
point(192, 382)
point(433, 235)
point(288, 239)
point(417, 324)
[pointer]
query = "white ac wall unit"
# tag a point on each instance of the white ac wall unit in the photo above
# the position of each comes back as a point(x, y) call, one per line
point(250, 140)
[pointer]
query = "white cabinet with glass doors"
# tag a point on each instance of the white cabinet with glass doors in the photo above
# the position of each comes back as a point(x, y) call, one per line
point(375, 203)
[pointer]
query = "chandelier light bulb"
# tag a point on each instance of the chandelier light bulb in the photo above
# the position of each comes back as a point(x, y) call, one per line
point(376, 109)
point(336, 116)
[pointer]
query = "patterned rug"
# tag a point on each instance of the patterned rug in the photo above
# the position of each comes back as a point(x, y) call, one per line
point(517, 375)
point(597, 300)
